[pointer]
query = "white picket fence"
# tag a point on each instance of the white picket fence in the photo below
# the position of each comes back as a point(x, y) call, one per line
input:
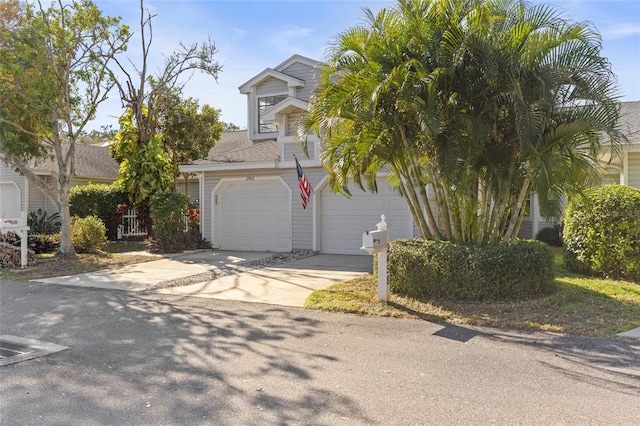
point(131, 226)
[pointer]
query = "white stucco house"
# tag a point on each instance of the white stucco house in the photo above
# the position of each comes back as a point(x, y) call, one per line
point(249, 196)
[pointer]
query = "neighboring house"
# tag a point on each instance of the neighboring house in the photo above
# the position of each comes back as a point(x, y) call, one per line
point(623, 169)
point(93, 164)
point(249, 196)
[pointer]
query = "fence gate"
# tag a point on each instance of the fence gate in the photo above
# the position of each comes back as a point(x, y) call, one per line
point(131, 226)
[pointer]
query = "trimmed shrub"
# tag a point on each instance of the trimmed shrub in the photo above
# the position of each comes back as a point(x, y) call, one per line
point(99, 200)
point(443, 270)
point(602, 233)
point(88, 234)
point(551, 235)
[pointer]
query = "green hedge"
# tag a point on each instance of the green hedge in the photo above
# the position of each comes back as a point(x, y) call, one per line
point(443, 270)
point(99, 200)
point(602, 232)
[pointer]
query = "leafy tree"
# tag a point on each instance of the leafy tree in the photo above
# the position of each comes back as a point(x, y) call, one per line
point(11, 13)
point(141, 94)
point(105, 135)
point(188, 130)
point(472, 106)
point(145, 169)
point(53, 75)
point(231, 127)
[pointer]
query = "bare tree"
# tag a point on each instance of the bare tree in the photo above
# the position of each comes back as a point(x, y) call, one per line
point(139, 147)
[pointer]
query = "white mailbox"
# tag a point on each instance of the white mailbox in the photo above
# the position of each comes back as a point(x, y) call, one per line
point(373, 241)
point(377, 242)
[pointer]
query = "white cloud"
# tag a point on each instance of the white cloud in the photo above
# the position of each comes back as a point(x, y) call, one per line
point(289, 40)
point(238, 33)
point(623, 30)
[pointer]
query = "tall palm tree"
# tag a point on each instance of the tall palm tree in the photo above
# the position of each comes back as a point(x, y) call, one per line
point(477, 103)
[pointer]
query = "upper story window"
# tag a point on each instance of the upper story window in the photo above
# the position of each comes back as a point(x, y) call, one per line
point(264, 104)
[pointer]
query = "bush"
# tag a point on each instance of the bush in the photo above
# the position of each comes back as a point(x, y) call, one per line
point(551, 236)
point(99, 200)
point(88, 234)
point(169, 213)
point(602, 233)
point(443, 270)
point(44, 243)
point(38, 243)
point(40, 223)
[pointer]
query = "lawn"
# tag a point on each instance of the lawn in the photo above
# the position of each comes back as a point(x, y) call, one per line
point(579, 305)
point(115, 254)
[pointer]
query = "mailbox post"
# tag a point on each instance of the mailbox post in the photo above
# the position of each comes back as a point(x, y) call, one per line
point(19, 226)
point(377, 242)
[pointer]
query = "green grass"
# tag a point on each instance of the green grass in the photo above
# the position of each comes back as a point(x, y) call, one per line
point(579, 305)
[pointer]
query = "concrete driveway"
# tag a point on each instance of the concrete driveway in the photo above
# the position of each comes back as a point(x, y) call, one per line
point(226, 275)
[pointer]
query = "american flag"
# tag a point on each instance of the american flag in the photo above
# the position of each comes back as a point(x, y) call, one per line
point(303, 184)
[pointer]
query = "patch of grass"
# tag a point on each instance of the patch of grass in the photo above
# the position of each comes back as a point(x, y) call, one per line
point(125, 246)
point(579, 305)
point(48, 265)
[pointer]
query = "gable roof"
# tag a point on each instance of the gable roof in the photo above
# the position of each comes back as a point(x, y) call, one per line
point(91, 162)
point(279, 73)
point(285, 106)
point(270, 73)
point(298, 59)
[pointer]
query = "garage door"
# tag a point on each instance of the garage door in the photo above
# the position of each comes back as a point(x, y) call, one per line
point(255, 216)
point(343, 220)
point(9, 200)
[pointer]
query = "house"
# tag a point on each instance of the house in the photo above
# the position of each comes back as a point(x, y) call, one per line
point(93, 164)
point(248, 187)
point(623, 169)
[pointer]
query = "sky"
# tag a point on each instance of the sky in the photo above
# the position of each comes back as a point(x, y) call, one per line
point(254, 35)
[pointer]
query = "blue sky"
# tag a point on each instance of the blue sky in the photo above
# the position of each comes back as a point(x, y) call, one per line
point(254, 35)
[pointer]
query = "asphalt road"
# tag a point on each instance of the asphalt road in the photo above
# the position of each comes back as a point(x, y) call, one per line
point(164, 360)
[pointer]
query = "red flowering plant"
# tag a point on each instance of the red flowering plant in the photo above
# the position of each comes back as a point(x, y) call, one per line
point(117, 216)
point(193, 217)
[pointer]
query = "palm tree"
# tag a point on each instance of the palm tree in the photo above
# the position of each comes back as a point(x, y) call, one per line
point(477, 103)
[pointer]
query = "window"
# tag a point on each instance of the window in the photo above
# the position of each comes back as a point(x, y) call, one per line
point(264, 104)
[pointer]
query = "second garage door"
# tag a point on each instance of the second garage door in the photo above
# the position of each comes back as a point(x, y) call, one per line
point(343, 220)
point(254, 216)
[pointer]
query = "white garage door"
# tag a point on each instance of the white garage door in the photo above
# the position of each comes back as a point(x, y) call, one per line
point(344, 220)
point(255, 216)
point(9, 200)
